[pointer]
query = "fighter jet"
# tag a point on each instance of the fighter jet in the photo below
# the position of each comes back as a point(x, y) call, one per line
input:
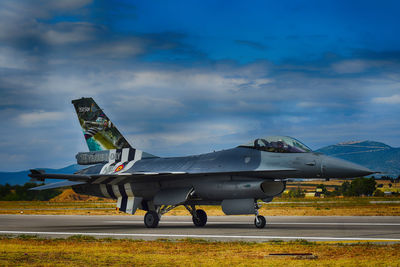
point(235, 178)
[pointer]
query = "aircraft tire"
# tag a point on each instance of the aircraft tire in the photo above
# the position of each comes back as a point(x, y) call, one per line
point(151, 219)
point(201, 219)
point(261, 222)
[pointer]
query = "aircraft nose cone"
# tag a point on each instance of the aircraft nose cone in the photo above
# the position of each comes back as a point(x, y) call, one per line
point(338, 168)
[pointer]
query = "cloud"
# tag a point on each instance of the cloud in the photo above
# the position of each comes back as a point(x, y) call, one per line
point(39, 8)
point(295, 119)
point(191, 83)
point(394, 99)
point(350, 66)
point(69, 33)
point(201, 136)
point(35, 119)
point(13, 59)
point(64, 5)
point(21, 18)
point(371, 62)
point(321, 104)
point(120, 49)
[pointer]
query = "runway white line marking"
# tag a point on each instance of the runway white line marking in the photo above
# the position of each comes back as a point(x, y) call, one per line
point(177, 222)
point(360, 224)
point(376, 202)
point(269, 223)
point(203, 236)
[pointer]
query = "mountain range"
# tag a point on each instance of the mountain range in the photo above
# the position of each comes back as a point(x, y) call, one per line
point(371, 154)
point(374, 155)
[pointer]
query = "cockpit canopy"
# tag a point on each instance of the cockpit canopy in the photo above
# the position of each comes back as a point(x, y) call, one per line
point(278, 144)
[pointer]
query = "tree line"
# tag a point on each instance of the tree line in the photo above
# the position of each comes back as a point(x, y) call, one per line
point(357, 187)
point(22, 193)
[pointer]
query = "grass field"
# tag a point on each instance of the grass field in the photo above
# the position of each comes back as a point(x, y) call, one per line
point(87, 251)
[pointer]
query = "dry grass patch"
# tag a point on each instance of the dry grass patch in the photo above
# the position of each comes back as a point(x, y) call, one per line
point(87, 251)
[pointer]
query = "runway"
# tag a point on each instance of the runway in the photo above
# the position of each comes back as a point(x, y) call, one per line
point(223, 228)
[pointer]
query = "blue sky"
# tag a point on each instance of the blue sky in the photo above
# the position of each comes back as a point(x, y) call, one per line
point(188, 77)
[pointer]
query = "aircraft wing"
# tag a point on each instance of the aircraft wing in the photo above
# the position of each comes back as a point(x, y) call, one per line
point(121, 178)
point(57, 185)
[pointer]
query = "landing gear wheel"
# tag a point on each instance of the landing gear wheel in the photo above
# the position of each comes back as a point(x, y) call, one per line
point(260, 221)
point(200, 219)
point(151, 219)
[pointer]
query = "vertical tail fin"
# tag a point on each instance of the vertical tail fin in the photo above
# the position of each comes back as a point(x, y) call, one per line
point(100, 133)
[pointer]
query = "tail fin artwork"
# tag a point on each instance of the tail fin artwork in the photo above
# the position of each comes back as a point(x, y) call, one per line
point(100, 133)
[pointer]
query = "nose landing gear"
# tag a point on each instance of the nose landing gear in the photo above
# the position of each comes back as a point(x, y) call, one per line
point(199, 216)
point(200, 219)
point(259, 221)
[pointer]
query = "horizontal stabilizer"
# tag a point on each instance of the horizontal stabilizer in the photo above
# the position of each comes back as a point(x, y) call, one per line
point(40, 175)
point(57, 185)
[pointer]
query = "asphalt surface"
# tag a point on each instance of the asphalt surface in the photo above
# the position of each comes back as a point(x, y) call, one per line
point(225, 228)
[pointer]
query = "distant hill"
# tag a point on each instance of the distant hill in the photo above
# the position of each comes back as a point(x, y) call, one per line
point(374, 155)
point(69, 195)
point(21, 177)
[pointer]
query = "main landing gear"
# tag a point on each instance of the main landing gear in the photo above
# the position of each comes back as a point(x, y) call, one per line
point(152, 217)
point(199, 216)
